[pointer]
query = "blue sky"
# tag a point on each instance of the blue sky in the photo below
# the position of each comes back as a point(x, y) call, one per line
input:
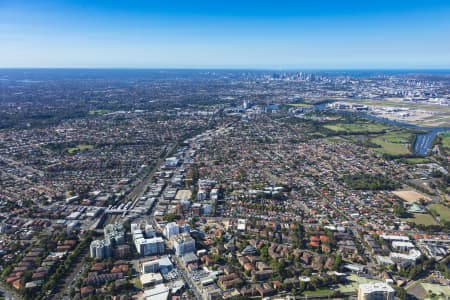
point(226, 34)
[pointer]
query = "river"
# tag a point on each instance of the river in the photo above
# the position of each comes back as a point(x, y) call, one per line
point(423, 142)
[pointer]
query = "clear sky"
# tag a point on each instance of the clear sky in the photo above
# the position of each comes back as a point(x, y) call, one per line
point(314, 34)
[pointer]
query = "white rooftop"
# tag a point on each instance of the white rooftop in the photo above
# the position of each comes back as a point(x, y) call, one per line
point(150, 278)
point(159, 292)
point(395, 237)
point(368, 288)
point(402, 244)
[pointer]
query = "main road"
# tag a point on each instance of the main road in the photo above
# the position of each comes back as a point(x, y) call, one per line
point(139, 189)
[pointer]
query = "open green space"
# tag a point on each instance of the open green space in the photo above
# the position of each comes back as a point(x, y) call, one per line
point(319, 293)
point(357, 127)
point(334, 139)
point(423, 219)
point(99, 112)
point(416, 160)
point(394, 143)
point(383, 138)
point(445, 139)
point(80, 148)
point(364, 181)
point(300, 105)
point(437, 289)
point(353, 283)
point(137, 283)
point(441, 211)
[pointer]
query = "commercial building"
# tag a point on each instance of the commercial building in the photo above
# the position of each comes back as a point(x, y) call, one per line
point(402, 246)
point(150, 267)
point(100, 249)
point(171, 230)
point(149, 231)
point(375, 291)
point(158, 292)
point(147, 244)
point(151, 279)
point(115, 233)
point(201, 195)
point(184, 244)
point(122, 251)
point(151, 246)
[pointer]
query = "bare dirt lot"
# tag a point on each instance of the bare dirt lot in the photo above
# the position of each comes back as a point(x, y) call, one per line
point(411, 196)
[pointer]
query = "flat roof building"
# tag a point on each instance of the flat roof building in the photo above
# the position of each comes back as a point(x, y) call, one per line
point(150, 279)
point(150, 246)
point(184, 244)
point(100, 249)
point(375, 291)
point(150, 267)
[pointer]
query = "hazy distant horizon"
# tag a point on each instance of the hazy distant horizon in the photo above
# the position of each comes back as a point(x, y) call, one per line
point(237, 69)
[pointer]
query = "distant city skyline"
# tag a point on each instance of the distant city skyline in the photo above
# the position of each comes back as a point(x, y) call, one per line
point(225, 34)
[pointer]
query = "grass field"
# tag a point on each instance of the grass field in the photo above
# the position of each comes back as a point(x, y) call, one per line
point(357, 127)
point(437, 289)
point(446, 139)
point(389, 139)
point(334, 139)
point(137, 283)
point(394, 143)
point(300, 105)
point(424, 219)
point(440, 210)
point(319, 293)
point(79, 148)
point(355, 281)
point(99, 112)
point(417, 160)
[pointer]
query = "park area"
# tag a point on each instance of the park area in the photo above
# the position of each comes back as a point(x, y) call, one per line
point(353, 283)
point(357, 127)
point(441, 211)
point(432, 291)
point(382, 138)
point(422, 219)
point(394, 143)
point(446, 140)
point(80, 148)
point(436, 291)
point(351, 287)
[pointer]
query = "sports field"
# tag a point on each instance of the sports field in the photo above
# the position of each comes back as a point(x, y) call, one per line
point(437, 289)
point(411, 196)
point(423, 219)
point(441, 211)
point(79, 148)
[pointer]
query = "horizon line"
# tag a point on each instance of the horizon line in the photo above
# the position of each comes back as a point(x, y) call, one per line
point(233, 68)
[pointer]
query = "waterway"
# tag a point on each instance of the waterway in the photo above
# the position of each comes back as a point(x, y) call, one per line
point(423, 142)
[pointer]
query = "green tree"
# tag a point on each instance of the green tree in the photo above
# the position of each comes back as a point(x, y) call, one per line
point(337, 262)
